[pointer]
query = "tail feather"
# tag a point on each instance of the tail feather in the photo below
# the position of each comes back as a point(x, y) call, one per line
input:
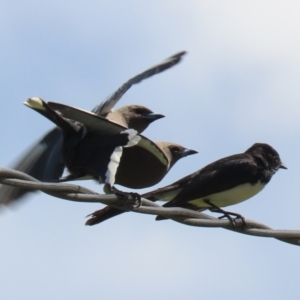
point(102, 215)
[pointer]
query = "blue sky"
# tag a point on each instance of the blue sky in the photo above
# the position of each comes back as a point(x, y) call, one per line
point(239, 84)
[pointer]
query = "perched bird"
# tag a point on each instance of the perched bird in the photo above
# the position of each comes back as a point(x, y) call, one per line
point(154, 172)
point(225, 182)
point(44, 159)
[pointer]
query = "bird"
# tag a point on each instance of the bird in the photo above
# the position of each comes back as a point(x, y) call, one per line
point(137, 117)
point(173, 152)
point(85, 151)
point(89, 141)
point(141, 166)
point(225, 182)
point(44, 161)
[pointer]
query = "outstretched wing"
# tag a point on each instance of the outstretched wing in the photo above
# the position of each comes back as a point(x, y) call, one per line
point(106, 105)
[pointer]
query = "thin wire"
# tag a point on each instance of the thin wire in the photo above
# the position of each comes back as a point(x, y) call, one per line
point(78, 193)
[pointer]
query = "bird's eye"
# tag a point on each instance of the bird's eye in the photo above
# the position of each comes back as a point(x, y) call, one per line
point(175, 150)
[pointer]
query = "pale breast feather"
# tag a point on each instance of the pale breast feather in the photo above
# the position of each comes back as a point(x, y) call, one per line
point(230, 197)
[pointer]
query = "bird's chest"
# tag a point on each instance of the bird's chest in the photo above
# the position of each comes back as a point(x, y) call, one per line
point(231, 196)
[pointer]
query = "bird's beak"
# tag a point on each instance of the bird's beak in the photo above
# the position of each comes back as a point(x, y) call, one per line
point(282, 166)
point(187, 152)
point(154, 116)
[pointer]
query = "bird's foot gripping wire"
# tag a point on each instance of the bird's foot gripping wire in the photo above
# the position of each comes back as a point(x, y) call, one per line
point(234, 218)
point(234, 221)
point(126, 197)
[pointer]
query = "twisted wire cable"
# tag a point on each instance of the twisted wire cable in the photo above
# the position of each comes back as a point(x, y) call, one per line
point(78, 193)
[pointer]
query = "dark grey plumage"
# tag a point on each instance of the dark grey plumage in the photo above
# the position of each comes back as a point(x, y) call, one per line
point(225, 182)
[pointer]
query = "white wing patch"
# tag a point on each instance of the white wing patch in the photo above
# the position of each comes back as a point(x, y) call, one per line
point(115, 158)
point(113, 166)
point(133, 138)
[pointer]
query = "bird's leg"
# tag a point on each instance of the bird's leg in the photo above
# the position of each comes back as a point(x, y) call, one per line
point(125, 196)
point(226, 214)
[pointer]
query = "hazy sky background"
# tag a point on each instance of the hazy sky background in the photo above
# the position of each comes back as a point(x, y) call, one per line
point(239, 84)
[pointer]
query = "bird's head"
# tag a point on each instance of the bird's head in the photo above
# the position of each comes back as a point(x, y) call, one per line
point(137, 117)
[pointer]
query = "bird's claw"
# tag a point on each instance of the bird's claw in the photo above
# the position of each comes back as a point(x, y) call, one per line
point(126, 197)
point(234, 221)
point(227, 214)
